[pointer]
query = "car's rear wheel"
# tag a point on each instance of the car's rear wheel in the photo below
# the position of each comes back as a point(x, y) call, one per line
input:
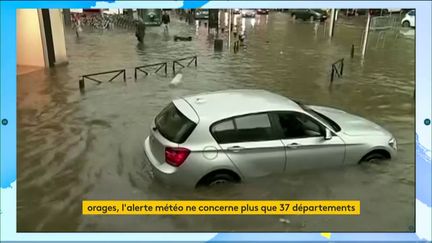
point(406, 23)
point(218, 178)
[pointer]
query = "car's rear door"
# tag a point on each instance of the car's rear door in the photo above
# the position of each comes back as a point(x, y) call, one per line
point(251, 144)
point(305, 143)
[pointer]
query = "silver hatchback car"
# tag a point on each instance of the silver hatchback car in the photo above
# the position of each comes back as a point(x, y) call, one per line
point(236, 135)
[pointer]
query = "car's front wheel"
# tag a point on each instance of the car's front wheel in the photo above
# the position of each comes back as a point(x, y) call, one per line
point(374, 157)
point(406, 23)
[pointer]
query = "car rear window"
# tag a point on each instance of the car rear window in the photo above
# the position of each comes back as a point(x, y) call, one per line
point(173, 125)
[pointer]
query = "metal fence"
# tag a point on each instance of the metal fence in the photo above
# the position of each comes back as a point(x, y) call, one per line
point(93, 78)
point(337, 68)
point(144, 68)
point(385, 22)
point(178, 62)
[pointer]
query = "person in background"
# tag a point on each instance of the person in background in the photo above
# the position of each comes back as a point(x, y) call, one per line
point(165, 20)
point(140, 31)
point(77, 25)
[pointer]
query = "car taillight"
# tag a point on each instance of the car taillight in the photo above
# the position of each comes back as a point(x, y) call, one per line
point(176, 156)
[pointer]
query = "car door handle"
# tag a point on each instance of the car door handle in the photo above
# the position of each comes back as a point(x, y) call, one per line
point(235, 149)
point(293, 145)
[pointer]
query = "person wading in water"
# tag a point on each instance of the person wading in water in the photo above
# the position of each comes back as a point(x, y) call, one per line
point(140, 31)
point(165, 21)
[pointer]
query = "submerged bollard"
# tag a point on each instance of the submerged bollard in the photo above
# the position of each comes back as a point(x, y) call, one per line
point(332, 75)
point(341, 67)
point(81, 84)
point(235, 47)
point(352, 51)
point(218, 45)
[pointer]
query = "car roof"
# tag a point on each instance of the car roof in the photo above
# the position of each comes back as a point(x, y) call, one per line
point(214, 106)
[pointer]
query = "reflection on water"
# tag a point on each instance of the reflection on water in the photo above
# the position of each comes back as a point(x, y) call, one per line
point(73, 147)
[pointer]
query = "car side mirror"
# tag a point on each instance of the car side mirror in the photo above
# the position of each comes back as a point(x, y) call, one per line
point(328, 134)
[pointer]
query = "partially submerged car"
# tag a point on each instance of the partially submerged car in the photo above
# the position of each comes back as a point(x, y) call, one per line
point(236, 135)
point(309, 14)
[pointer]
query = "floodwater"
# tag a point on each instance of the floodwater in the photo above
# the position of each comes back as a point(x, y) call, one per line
point(74, 146)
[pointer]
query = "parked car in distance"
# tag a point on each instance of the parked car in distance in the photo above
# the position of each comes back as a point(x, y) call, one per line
point(309, 14)
point(211, 138)
point(263, 11)
point(236, 11)
point(248, 13)
point(409, 19)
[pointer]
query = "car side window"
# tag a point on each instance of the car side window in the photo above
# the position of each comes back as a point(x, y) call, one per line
point(249, 128)
point(224, 132)
point(299, 125)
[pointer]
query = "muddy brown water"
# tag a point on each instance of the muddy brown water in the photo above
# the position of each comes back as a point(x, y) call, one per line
point(73, 146)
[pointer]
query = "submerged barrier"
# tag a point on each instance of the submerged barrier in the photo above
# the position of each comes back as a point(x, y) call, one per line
point(337, 68)
point(159, 66)
point(98, 81)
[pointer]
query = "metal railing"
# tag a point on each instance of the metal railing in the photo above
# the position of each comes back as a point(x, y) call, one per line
point(91, 77)
point(177, 62)
point(159, 65)
point(384, 22)
point(337, 68)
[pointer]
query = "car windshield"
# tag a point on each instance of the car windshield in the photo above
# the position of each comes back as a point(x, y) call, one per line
point(324, 119)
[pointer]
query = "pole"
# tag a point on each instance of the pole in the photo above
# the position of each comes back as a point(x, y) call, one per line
point(217, 24)
point(67, 17)
point(332, 22)
point(366, 35)
point(229, 30)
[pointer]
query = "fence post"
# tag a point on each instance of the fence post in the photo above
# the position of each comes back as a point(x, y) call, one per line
point(124, 75)
point(332, 74)
point(135, 74)
point(196, 61)
point(166, 67)
point(173, 67)
point(342, 67)
point(352, 51)
point(81, 84)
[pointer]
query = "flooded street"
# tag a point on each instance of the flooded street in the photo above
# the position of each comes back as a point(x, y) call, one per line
point(73, 147)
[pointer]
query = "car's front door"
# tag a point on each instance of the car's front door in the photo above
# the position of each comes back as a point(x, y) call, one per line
point(305, 144)
point(251, 144)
